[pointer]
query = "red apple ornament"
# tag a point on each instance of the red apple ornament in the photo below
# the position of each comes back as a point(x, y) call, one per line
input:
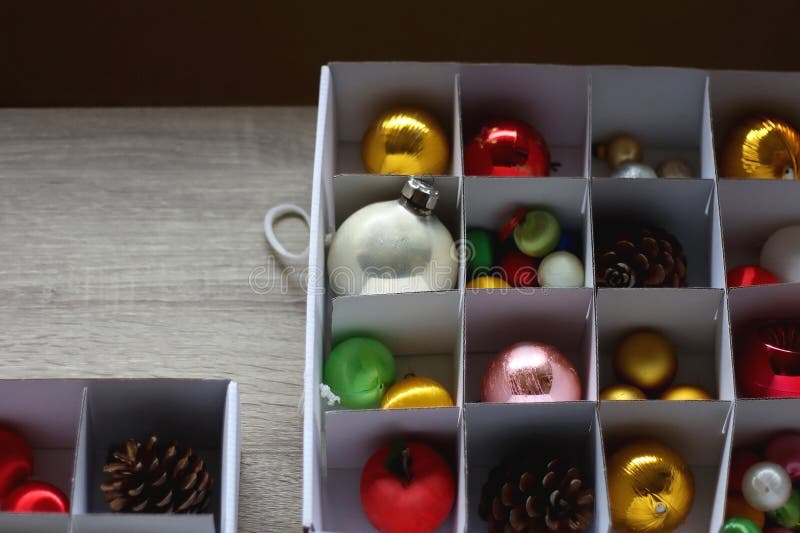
point(507, 148)
point(407, 488)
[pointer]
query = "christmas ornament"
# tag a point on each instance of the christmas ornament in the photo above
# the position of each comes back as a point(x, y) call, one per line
point(745, 276)
point(530, 372)
point(645, 359)
point(358, 370)
point(741, 461)
point(766, 486)
point(768, 359)
point(737, 506)
point(761, 147)
point(16, 460)
point(538, 234)
point(405, 141)
point(36, 497)
point(632, 255)
point(394, 246)
point(781, 254)
point(561, 269)
point(507, 148)
point(620, 149)
point(650, 488)
point(674, 168)
point(685, 392)
point(630, 170)
point(528, 492)
point(785, 450)
point(153, 477)
point(740, 525)
point(569, 242)
point(407, 488)
point(622, 392)
point(519, 270)
point(789, 514)
point(487, 282)
point(479, 251)
point(416, 391)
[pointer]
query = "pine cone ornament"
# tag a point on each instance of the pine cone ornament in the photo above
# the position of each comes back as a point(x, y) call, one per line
point(633, 255)
point(150, 477)
point(527, 494)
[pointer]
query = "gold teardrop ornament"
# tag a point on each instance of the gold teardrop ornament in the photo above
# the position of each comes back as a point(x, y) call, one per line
point(761, 147)
point(416, 391)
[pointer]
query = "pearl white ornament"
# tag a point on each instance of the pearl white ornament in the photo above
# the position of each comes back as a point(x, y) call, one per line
point(561, 269)
point(766, 486)
point(781, 254)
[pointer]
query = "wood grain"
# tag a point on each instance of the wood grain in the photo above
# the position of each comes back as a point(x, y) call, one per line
point(130, 244)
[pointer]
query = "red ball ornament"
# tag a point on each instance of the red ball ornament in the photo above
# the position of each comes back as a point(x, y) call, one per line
point(16, 461)
point(741, 460)
point(768, 360)
point(407, 488)
point(36, 497)
point(507, 148)
point(520, 270)
point(745, 276)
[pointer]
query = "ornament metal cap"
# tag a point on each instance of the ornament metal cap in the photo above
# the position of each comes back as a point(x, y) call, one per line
point(420, 194)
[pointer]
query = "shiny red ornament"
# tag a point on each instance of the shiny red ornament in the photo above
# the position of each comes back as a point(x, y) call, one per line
point(507, 148)
point(16, 460)
point(768, 360)
point(520, 270)
point(745, 276)
point(36, 497)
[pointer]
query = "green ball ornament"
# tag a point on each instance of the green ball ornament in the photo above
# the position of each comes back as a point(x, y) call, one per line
point(358, 371)
point(740, 525)
point(789, 515)
point(538, 234)
point(479, 253)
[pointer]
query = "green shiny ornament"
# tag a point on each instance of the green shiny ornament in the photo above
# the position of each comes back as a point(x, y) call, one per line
point(358, 371)
point(740, 525)
point(480, 258)
point(789, 515)
point(538, 234)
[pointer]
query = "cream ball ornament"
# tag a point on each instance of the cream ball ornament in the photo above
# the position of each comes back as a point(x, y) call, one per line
point(561, 269)
point(781, 254)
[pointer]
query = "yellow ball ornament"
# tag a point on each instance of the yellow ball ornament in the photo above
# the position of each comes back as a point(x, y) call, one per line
point(685, 392)
point(761, 147)
point(620, 149)
point(487, 282)
point(646, 359)
point(416, 391)
point(650, 488)
point(405, 141)
point(622, 392)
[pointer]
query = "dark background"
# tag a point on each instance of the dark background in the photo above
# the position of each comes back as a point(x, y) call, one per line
point(203, 52)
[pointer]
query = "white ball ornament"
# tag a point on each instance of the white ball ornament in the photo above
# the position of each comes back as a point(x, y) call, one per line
point(781, 254)
point(766, 486)
point(561, 269)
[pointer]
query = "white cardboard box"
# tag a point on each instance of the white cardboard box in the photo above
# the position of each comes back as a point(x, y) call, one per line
point(71, 424)
point(450, 335)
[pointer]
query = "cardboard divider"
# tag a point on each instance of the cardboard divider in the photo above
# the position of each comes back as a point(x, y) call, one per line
point(490, 202)
point(692, 320)
point(495, 431)
point(661, 107)
point(552, 99)
point(697, 431)
point(362, 91)
point(653, 202)
point(494, 321)
point(747, 224)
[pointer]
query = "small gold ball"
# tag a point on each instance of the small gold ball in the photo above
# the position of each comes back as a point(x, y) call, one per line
point(685, 392)
point(620, 149)
point(647, 360)
point(622, 392)
point(405, 141)
point(487, 282)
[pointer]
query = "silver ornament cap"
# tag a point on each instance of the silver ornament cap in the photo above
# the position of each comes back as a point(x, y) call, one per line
point(420, 194)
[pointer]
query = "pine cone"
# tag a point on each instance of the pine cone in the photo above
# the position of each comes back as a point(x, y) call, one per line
point(639, 256)
point(153, 478)
point(526, 494)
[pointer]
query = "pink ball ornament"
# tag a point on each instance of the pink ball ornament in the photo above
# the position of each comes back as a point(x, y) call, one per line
point(785, 451)
point(530, 372)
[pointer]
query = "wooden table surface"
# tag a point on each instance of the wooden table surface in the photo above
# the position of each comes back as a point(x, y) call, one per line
point(131, 245)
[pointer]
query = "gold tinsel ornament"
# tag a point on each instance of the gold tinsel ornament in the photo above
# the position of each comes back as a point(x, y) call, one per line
point(761, 147)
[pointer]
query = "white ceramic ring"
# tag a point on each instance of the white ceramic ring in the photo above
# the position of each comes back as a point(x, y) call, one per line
point(280, 211)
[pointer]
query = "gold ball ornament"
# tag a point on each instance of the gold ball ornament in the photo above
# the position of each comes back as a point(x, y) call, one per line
point(761, 147)
point(685, 392)
point(647, 360)
point(650, 488)
point(622, 392)
point(416, 391)
point(487, 282)
point(620, 149)
point(405, 141)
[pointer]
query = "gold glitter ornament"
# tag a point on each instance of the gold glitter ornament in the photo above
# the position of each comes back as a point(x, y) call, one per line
point(761, 147)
